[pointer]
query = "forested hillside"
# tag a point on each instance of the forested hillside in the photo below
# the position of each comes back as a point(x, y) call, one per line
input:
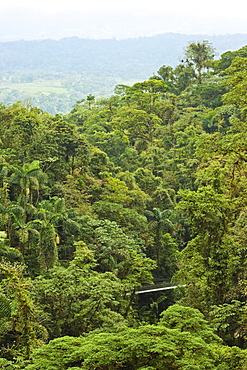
point(146, 188)
point(54, 74)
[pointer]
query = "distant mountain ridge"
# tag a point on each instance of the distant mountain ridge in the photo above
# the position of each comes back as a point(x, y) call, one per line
point(129, 58)
point(54, 74)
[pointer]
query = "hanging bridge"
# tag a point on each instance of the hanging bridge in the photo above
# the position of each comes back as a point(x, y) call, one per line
point(157, 289)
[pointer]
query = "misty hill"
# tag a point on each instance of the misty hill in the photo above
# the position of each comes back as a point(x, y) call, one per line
point(57, 73)
point(129, 58)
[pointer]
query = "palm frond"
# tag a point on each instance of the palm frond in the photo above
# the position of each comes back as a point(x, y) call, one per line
point(5, 307)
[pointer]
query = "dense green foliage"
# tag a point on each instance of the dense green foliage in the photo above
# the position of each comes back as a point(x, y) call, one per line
point(145, 188)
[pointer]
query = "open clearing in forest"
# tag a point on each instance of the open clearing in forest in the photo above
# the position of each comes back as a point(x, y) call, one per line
point(43, 86)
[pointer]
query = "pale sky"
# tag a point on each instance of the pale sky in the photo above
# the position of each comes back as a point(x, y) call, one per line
point(30, 19)
point(220, 7)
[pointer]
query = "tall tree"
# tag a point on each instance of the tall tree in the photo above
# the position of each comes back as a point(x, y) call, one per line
point(201, 55)
point(160, 223)
point(24, 327)
point(236, 82)
point(27, 176)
